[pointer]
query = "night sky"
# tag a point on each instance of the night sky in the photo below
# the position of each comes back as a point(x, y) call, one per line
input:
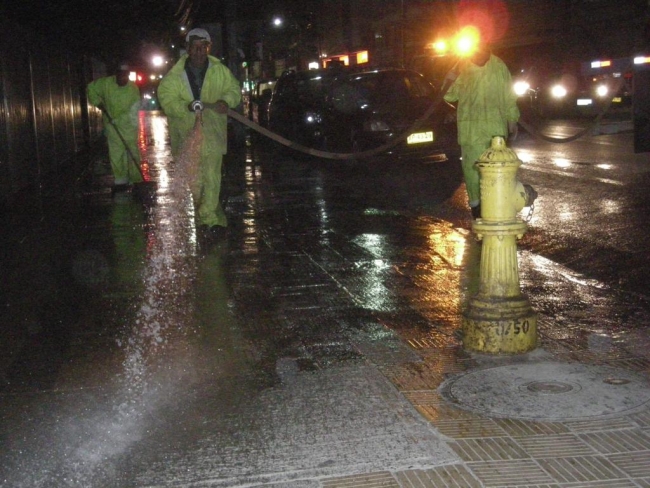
point(118, 28)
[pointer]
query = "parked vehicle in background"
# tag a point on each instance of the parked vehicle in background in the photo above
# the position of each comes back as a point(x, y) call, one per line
point(434, 68)
point(584, 89)
point(352, 110)
point(605, 81)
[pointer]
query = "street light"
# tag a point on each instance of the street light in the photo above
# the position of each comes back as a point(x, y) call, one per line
point(277, 21)
point(157, 61)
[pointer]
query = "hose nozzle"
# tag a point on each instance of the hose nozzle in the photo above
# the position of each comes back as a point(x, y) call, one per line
point(197, 106)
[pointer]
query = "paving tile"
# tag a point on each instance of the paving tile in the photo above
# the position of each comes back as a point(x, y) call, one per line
point(523, 428)
point(488, 449)
point(423, 397)
point(466, 429)
point(435, 408)
point(454, 476)
point(445, 412)
point(601, 484)
point(370, 480)
point(581, 469)
point(523, 472)
point(434, 341)
point(552, 485)
point(635, 464)
point(292, 484)
point(636, 364)
point(618, 441)
point(641, 418)
point(599, 424)
point(419, 376)
point(555, 446)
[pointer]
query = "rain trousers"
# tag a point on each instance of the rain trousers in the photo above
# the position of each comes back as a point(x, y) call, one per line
point(175, 95)
point(122, 104)
point(486, 103)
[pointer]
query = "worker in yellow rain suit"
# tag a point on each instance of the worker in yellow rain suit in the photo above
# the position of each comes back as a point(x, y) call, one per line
point(197, 76)
point(119, 100)
point(487, 107)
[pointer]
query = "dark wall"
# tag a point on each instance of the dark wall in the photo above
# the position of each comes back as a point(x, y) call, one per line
point(44, 119)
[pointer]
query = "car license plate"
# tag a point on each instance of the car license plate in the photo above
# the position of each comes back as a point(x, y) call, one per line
point(419, 137)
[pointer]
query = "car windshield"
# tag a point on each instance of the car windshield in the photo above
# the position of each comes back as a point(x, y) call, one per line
point(434, 68)
point(304, 89)
point(378, 89)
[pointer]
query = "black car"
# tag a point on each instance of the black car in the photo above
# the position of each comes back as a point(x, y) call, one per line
point(347, 111)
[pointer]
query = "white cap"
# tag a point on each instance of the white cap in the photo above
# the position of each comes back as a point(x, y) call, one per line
point(201, 34)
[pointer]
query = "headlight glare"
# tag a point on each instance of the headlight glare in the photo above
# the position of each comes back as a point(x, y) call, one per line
point(312, 118)
point(558, 91)
point(521, 88)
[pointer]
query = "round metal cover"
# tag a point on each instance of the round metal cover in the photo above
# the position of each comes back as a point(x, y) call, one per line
point(549, 387)
point(548, 391)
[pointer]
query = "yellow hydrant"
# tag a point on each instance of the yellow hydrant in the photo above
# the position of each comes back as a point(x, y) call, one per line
point(499, 319)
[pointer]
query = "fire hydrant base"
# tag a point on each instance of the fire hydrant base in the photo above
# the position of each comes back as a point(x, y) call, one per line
point(504, 333)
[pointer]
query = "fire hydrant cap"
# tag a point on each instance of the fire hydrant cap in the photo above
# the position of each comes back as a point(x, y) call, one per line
point(498, 152)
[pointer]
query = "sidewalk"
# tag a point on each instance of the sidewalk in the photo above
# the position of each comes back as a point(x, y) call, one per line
point(323, 349)
point(573, 413)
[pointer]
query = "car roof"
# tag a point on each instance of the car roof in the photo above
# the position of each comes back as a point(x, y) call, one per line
point(341, 72)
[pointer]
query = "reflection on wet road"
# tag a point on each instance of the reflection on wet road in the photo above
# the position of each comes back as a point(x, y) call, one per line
point(189, 360)
point(139, 354)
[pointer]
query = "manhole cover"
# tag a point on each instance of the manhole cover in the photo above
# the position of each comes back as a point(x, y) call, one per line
point(549, 391)
point(549, 387)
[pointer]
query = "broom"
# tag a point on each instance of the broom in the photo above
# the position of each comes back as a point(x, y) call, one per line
point(144, 190)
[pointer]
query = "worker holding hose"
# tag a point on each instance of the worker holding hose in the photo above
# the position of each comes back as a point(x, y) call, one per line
point(200, 87)
point(119, 100)
point(487, 107)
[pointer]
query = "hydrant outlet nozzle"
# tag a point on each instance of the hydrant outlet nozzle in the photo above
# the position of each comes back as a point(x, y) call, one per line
point(531, 195)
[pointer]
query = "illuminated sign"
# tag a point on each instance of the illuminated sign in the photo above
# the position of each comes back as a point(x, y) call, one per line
point(642, 60)
point(601, 64)
point(360, 57)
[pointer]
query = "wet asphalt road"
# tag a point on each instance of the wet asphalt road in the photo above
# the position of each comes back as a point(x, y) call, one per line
point(137, 353)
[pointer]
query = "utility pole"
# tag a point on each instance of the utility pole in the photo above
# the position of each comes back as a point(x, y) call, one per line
point(403, 34)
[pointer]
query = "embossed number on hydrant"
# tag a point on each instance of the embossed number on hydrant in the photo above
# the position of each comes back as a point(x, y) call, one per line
point(514, 327)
